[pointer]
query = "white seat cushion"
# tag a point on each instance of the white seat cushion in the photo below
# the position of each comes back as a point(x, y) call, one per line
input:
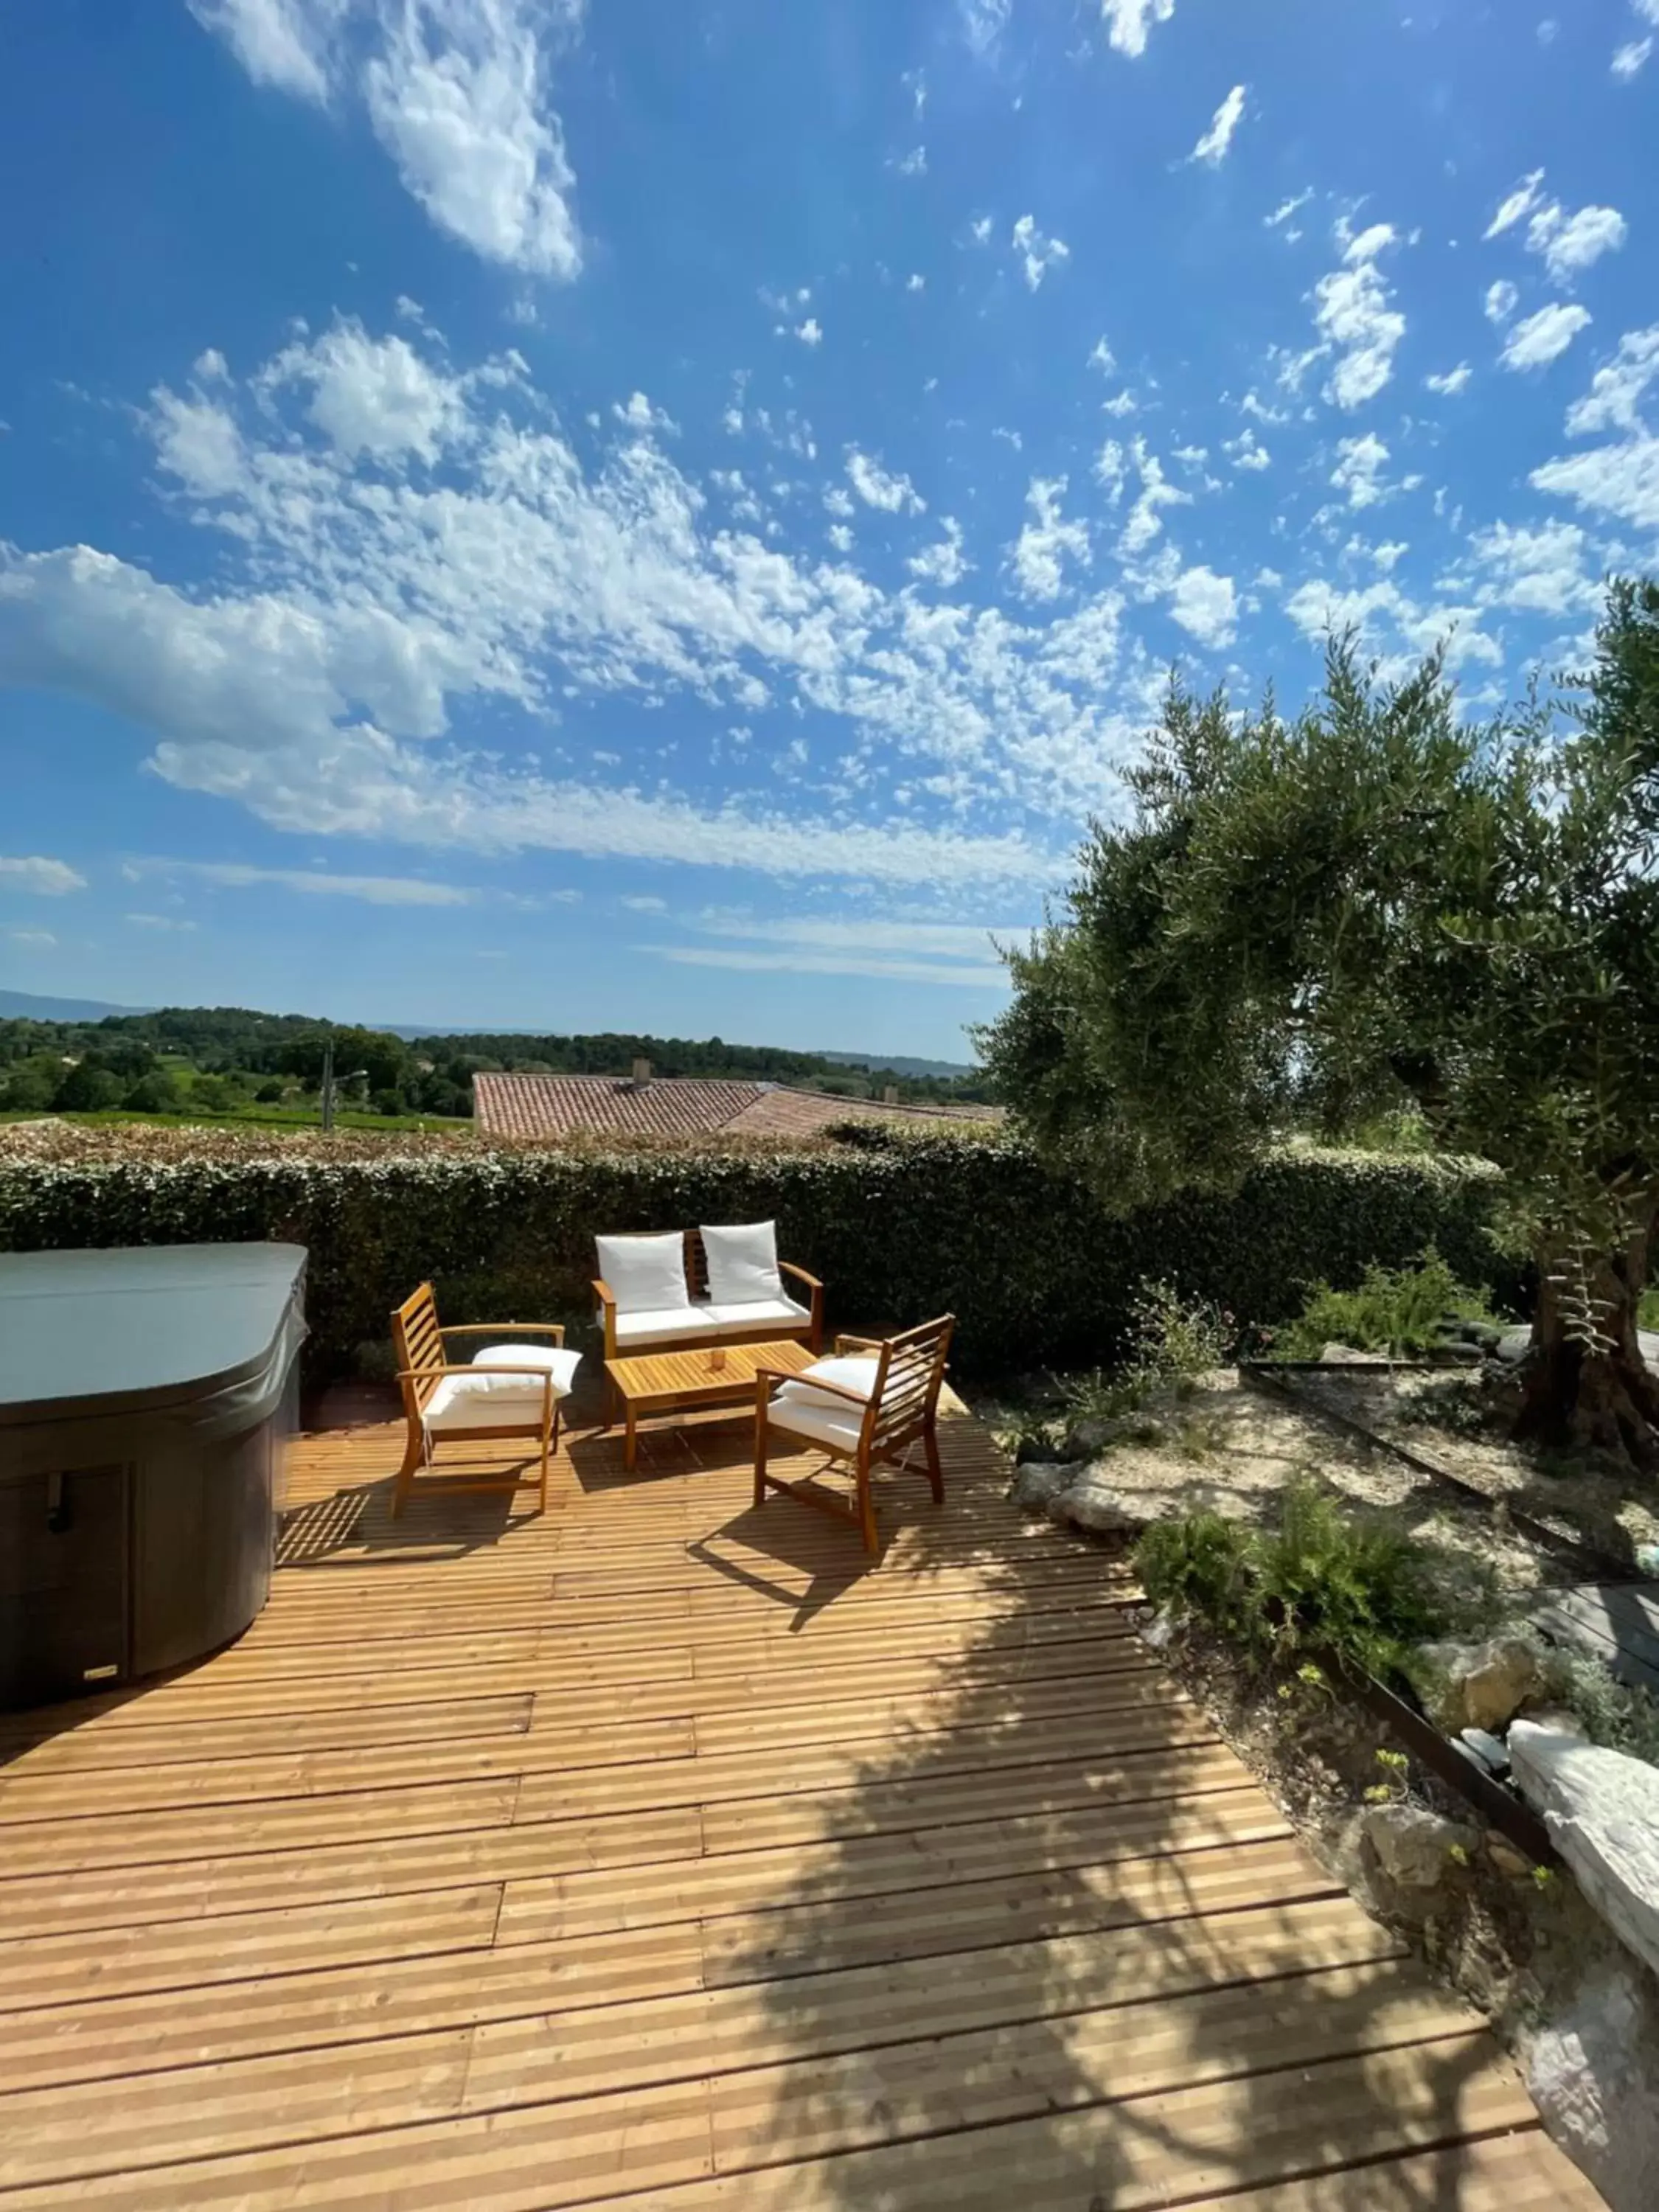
point(855, 1372)
point(645, 1274)
point(553, 1358)
point(743, 1263)
point(457, 1403)
point(637, 1329)
point(754, 1317)
point(840, 1429)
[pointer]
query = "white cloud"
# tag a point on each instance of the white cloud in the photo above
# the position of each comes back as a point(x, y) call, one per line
point(809, 332)
point(456, 91)
point(1109, 472)
point(983, 22)
point(942, 564)
point(284, 43)
point(1047, 542)
point(1544, 571)
point(1543, 337)
point(1397, 627)
point(373, 395)
point(1127, 21)
point(1124, 403)
point(1038, 253)
point(1518, 206)
point(1356, 321)
point(1616, 390)
point(1213, 145)
point(981, 228)
point(1567, 243)
point(164, 922)
point(1358, 471)
point(915, 281)
point(912, 164)
point(645, 905)
point(1206, 605)
point(1571, 243)
point(1630, 58)
point(895, 495)
point(1619, 481)
point(376, 643)
point(211, 366)
point(1145, 517)
point(318, 883)
point(637, 412)
point(41, 877)
point(799, 960)
point(1501, 300)
point(1287, 209)
point(197, 441)
point(1102, 357)
point(1247, 453)
point(1452, 382)
point(37, 940)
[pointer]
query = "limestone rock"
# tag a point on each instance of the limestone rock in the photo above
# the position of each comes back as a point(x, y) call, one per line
point(1091, 1503)
point(1413, 1846)
point(1478, 1686)
point(1601, 1808)
point(1344, 1355)
point(1488, 1749)
point(1593, 2071)
point(1038, 1481)
point(1156, 1630)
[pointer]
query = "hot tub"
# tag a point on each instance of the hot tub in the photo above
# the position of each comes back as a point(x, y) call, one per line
point(145, 1398)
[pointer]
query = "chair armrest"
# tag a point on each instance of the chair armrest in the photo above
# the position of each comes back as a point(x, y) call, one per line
point(553, 1329)
point(830, 1389)
point(603, 1292)
point(858, 1344)
point(800, 1275)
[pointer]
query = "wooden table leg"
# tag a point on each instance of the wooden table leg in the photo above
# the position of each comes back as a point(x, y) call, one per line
point(631, 1442)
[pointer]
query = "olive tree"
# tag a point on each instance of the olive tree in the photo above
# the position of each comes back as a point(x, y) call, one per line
point(1381, 904)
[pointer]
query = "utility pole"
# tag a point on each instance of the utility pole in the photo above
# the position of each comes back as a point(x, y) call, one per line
point(328, 1086)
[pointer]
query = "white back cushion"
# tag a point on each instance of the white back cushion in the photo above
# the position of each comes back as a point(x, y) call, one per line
point(743, 1263)
point(646, 1274)
point(547, 1359)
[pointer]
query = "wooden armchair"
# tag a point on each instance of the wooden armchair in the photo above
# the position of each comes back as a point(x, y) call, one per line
point(509, 1390)
point(859, 1424)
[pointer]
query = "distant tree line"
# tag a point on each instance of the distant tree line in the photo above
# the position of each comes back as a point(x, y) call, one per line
point(230, 1060)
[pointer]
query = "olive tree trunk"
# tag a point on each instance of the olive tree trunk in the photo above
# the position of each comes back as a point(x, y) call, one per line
point(1605, 1398)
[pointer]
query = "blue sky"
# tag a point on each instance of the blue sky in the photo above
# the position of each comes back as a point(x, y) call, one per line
point(671, 517)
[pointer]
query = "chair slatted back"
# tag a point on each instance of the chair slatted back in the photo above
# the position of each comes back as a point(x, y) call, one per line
point(417, 1342)
point(696, 1264)
point(907, 1383)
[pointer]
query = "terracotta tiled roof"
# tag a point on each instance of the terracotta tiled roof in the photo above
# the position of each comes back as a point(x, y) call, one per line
point(674, 1106)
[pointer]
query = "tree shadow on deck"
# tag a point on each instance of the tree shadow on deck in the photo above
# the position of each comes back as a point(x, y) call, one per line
point(1057, 1910)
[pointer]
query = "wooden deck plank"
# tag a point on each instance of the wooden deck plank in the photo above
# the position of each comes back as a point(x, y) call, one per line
point(657, 1851)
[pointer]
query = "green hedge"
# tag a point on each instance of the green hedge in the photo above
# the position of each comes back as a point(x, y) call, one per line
point(899, 1228)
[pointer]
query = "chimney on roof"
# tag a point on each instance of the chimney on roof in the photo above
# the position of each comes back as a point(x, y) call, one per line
point(641, 1075)
point(889, 1096)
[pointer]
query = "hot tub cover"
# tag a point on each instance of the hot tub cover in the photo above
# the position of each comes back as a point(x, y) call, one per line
point(201, 1335)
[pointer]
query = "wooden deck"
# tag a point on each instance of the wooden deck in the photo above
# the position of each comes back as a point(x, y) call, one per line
point(655, 1853)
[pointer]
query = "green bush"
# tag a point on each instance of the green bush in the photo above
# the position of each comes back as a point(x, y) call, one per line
point(1036, 1271)
point(1319, 1581)
point(1395, 1310)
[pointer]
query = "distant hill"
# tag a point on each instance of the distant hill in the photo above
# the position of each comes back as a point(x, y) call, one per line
point(24, 1006)
point(899, 1062)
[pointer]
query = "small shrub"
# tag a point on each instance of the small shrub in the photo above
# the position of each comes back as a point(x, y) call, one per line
point(1620, 1718)
point(1173, 1341)
point(1318, 1581)
point(1398, 1311)
point(1195, 1565)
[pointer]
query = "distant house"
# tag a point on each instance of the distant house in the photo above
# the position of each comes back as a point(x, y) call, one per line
point(644, 1105)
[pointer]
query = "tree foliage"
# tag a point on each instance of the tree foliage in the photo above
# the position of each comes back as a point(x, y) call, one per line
point(1380, 904)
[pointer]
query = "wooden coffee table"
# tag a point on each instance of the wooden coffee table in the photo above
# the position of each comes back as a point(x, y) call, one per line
point(678, 1381)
